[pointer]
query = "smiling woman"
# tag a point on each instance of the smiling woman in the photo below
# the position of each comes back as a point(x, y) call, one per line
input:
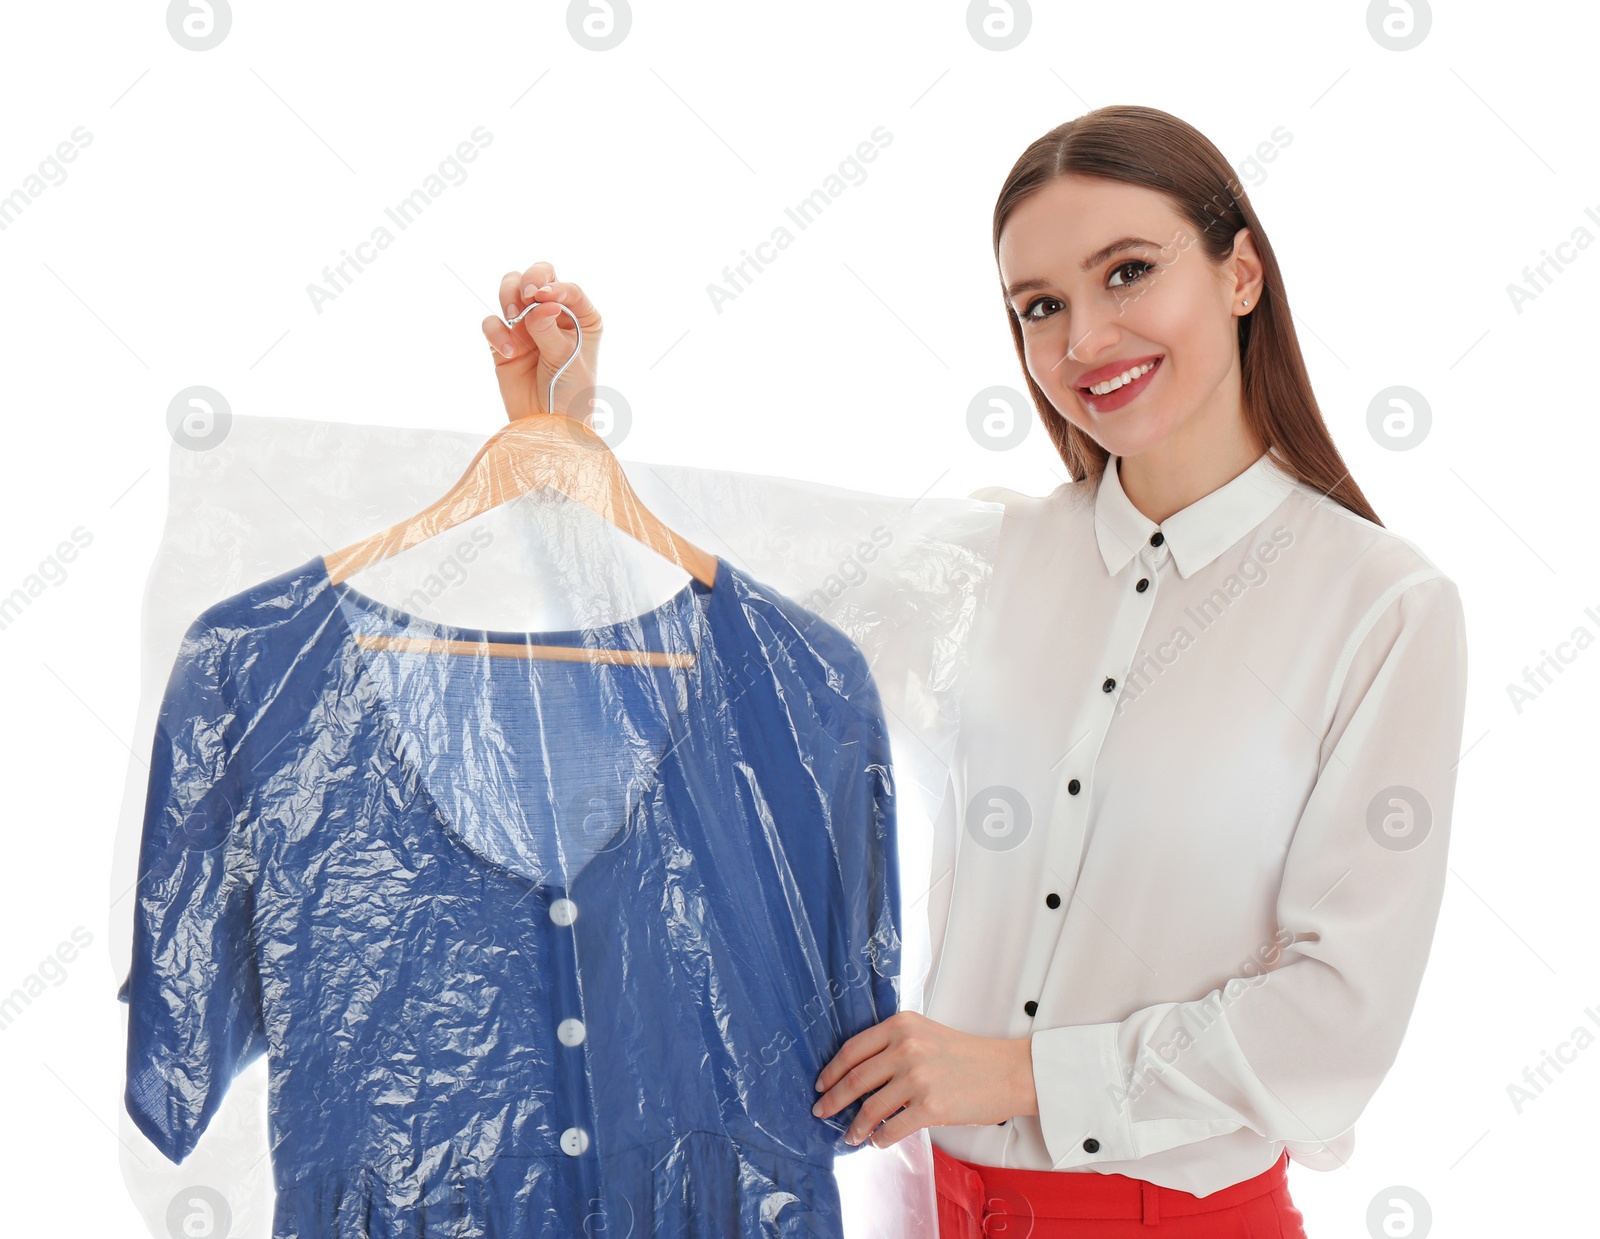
point(1131, 174)
point(1097, 1052)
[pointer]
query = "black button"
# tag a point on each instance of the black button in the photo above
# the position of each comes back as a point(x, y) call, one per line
point(1091, 1145)
point(1052, 900)
point(1157, 538)
point(1144, 584)
point(1108, 685)
point(1072, 787)
point(1030, 1006)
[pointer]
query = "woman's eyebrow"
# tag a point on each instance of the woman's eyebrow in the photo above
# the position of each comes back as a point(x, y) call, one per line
point(1094, 260)
point(1116, 247)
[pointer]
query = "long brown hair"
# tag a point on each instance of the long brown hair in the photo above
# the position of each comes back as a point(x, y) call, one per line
point(1152, 148)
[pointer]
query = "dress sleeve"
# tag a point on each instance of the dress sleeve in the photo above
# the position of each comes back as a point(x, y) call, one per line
point(1295, 1052)
point(864, 910)
point(868, 964)
point(194, 1018)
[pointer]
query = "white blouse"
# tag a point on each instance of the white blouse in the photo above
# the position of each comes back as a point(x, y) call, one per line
point(1193, 843)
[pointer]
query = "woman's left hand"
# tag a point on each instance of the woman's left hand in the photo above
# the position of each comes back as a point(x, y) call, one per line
point(933, 1075)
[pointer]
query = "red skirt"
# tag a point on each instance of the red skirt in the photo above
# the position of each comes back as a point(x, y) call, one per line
point(979, 1202)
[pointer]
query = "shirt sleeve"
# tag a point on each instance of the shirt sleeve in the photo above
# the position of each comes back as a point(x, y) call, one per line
point(194, 1018)
point(1295, 1052)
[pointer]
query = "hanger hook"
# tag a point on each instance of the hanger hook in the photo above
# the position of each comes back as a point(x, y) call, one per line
point(550, 403)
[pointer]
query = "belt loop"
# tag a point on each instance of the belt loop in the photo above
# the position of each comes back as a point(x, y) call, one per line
point(1152, 1198)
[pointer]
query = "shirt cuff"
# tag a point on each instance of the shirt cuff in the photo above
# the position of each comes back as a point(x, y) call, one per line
point(1083, 1111)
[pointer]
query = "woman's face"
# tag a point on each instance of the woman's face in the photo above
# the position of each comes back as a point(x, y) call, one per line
point(1093, 304)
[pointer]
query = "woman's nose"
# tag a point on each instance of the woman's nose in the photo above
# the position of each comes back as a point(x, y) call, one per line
point(1089, 341)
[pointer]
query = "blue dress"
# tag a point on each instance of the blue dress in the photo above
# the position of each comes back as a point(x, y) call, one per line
point(534, 947)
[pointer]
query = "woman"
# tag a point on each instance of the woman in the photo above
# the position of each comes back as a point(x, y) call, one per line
point(1198, 813)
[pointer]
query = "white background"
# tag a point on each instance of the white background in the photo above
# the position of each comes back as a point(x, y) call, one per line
point(208, 190)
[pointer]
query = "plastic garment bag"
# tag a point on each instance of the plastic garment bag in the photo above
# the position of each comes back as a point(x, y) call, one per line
point(532, 944)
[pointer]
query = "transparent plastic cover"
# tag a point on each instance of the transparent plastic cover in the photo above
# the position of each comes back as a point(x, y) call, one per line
point(522, 933)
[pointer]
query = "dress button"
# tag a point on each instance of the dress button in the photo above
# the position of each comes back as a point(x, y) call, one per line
point(563, 911)
point(1052, 900)
point(1073, 787)
point(1091, 1145)
point(1157, 538)
point(1108, 685)
point(571, 1032)
point(574, 1141)
point(1030, 1006)
point(1144, 584)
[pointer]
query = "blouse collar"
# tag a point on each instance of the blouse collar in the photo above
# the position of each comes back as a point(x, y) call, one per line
point(1196, 534)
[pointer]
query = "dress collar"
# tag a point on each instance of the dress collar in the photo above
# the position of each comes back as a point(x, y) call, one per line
point(702, 613)
point(1196, 534)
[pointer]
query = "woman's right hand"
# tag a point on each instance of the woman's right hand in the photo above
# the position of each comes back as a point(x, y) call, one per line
point(527, 355)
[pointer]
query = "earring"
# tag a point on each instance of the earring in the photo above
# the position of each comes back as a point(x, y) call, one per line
point(1247, 300)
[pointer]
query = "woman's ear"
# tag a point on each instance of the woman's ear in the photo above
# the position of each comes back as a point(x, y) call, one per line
point(1244, 269)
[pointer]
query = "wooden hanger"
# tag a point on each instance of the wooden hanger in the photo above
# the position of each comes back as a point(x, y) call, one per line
point(540, 449)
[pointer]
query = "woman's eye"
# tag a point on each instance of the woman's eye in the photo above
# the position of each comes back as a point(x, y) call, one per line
point(1137, 265)
point(1140, 266)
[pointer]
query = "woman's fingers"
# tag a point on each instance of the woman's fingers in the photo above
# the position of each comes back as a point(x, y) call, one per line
point(516, 287)
point(894, 1096)
point(508, 343)
point(873, 1072)
point(503, 341)
point(528, 353)
point(549, 331)
point(901, 1124)
point(521, 341)
point(536, 276)
point(857, 1049)
point(534, 327)
point(575, 299)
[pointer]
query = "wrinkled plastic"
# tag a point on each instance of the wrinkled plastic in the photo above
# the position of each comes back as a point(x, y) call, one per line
point(536, 946)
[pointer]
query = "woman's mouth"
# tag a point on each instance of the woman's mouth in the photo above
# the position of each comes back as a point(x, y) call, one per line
point(1113, 393)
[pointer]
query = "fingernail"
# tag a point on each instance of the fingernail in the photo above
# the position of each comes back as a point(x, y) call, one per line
point(817, 1109)
point(527, 293)
point(511, 311)
point(506, 349)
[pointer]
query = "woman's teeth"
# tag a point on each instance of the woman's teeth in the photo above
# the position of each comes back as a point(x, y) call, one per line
point(1122, 380)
